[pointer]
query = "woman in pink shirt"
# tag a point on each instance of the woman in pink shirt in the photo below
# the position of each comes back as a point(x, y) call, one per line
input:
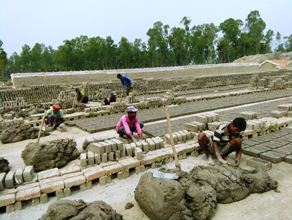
point(129, 123)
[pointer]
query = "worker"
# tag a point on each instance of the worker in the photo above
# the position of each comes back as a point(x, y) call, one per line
point(54, 117)
point(81, 97)
point(113, 98)
point(225, 139)
point(129, 124)
point(126, 81)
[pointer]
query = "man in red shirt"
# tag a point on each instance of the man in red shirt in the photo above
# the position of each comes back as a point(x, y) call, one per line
point(129, 123)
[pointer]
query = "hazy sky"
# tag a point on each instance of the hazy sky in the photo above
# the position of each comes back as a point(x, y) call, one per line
point(51, 22)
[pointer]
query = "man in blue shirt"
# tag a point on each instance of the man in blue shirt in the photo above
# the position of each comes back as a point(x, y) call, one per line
point(126, 81)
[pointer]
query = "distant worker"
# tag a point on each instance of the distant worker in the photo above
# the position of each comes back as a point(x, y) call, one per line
point(225, 139)
point(81, 97)
point(54, 117)
point(129, 124)
point(126, 81)
point(113, 98)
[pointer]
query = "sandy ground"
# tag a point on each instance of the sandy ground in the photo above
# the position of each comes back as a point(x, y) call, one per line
point(270, 205)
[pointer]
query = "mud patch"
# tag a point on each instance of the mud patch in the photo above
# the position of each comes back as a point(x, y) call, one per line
point(67, 209)
point(196, 194)
point(48, 155)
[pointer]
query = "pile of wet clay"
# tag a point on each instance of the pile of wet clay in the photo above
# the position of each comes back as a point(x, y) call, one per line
point(48, 155)
point(78, 210)
point(20, 133)
point(4, 165)
point(196, 194)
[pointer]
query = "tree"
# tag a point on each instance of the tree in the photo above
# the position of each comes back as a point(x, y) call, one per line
point(267, 41)
point(125, 53)
point(280, 45)
point(25, 59)
point(288, 43)
point(255, 26)
point(3, 61)
point(231, 33)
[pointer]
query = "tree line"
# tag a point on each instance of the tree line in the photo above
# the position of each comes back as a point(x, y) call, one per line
point(177, 46)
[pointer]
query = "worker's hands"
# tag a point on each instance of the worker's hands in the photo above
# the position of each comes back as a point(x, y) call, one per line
point(134, 140)
point(131, 86)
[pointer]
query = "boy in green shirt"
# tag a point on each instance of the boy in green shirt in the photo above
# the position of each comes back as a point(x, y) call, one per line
point(81, 97)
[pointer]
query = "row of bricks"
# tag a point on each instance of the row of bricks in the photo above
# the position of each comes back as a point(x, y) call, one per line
point(111, 150)
point(51, 181)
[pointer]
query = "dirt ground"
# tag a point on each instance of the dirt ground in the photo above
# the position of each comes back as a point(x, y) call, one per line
point(270, 205)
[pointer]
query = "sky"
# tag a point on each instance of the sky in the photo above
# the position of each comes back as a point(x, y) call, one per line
point(51, 22)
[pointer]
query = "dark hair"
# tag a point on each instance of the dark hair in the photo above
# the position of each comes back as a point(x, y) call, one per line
point(119, 75)
point(240, 123)
point(76, 89)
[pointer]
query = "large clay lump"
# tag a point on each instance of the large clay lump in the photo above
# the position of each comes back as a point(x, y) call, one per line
point(48, 155)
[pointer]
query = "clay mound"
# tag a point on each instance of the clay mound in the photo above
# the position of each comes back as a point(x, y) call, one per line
point(48, 155)
point(259, 58)
point(20, 133)
point(4, 165)
point(196, 194)
point(78, 210)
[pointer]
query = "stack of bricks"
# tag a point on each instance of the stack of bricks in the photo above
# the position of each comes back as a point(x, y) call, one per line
point(9, 122)
point(283, 111)
point(203, 121)
point(180, 136)
point(100, 152)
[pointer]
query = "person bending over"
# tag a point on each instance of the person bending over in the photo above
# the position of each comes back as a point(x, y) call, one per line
point(129, 124)
point(81, 97)
point(225, 139)
point(54, 117)
point(126, 81)
point(113, 98)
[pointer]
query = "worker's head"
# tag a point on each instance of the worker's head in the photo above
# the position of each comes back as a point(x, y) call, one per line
point(119, 76)
point(77, 90)
point(56, 108)
point(113, 94)
point(237, 125)
point(132, 112)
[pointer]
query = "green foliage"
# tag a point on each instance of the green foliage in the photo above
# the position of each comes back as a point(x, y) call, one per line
point(90, 114)
point(198, 44)
point(176, 102)
point(159, 163)
point(263, 130)
point(273, 126)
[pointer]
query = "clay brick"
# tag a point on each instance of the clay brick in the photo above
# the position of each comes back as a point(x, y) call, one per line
point(139, 145)
point(259, 163)
point(102, 180)
point(104, 158)
point(288, 159)
point(111, 156)
point(9, 179)
point(69, 169)
point(119, 144)
point(255, 151)
point(88, 185)
point(90, 158)
point(156, 142)
point(97, 158)
point(28, 173)
point(93, 173)
point(151, 144)
point(10, 208)
point(138, 153)
point(44, 199)
point(96, 148)
point(2, 180)
point(271, 157)
point(129, 163)
point(48, 174)
point(83, 160)
point(51, 185)
point(184, 136)
point(18, 206)
point(74, 181)
point(67, 192)
point(7, 199)
point(59, 194)
point(128, 149)
point(27, 194)
point(27, 186)
point(18, 176)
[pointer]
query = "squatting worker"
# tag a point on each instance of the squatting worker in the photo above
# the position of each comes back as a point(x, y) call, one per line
point(81, 97)
point(225, 139)
point(113, 98)
point(129, 123)
point(54, 116)
point(126, 81)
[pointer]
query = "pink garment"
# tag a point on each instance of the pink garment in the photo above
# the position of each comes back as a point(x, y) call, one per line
point(125, 121)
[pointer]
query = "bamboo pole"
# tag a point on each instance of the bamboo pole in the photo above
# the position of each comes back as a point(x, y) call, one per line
point(177, 164)
point(40, 131)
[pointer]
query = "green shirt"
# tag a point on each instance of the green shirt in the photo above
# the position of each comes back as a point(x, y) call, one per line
point(80, 94)
point(51, 112)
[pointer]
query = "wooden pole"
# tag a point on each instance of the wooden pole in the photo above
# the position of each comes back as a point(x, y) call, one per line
point(177, 164)
point(40, 131)
point(87, 88)
point(73, 102)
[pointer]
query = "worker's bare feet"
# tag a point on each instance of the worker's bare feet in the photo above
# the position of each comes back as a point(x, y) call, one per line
point(211, 162)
